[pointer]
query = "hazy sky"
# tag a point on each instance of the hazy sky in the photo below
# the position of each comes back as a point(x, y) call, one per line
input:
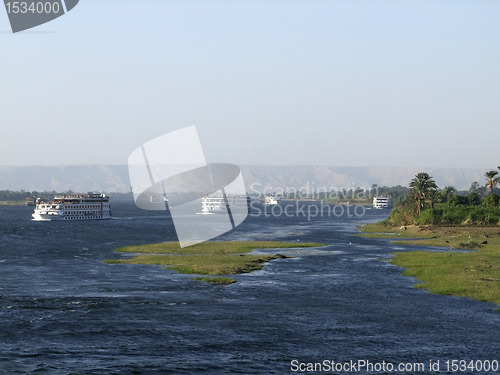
point(348, 83)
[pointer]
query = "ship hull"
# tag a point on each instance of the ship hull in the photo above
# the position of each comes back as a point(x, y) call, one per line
point(47, 217)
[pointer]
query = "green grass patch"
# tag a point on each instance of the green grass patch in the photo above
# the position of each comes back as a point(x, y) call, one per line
point(214, 247)
point(203, 264)
point(454, 239)
point(207, 258)
point(395, 232)
point(475, 274)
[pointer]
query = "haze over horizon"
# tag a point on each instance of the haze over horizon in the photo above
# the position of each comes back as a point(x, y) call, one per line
point(346, 83)
point(115, 178)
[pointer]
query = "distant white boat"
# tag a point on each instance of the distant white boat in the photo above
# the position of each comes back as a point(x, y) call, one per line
point(382, 202)
point(211, 204)
point(157, 199)
point(218, 203)
point(271, 199)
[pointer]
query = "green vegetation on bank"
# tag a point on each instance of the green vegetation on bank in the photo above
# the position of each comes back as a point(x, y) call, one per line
point(426, 204)
point(474, 274)
point(428, 216)
point(446, 214)
point(207, 258)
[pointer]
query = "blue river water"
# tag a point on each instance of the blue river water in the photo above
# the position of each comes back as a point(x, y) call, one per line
point(64, 311)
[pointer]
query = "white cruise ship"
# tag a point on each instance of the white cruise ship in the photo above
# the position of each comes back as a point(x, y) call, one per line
point(382, 202)
point(211, 204)
point(79, 207)
point(271, 199)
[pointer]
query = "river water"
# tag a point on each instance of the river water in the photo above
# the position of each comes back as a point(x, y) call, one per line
point(64, 311)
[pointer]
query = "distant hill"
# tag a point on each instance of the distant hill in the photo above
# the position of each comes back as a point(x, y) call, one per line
point(365, 177)
point(79, 178)
point(114, 178)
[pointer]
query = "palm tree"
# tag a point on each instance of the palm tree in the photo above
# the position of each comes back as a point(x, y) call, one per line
point(447, 193)
point(433, 197)
point(421, 188)
point(492, 181)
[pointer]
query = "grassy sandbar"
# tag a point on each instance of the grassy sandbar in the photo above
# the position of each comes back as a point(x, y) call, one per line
point(208, 258)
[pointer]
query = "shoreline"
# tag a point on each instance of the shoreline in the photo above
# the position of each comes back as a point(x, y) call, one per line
point(12, 203)
point(328, 201)
point(473, 271)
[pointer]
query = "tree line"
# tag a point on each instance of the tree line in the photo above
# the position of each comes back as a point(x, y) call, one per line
point(17, 196)
point(427, 204)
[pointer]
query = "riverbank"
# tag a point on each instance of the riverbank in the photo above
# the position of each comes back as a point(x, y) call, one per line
point(12, 203)
point(474, 273)
point(210, 258)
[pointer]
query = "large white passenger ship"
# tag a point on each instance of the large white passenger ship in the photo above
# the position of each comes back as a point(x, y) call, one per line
point(382, 202)
point(78, 207)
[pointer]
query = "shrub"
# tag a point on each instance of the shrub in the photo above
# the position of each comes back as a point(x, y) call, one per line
point(492, 200)
point(431, 216)
point(469, 245)
point(473, 199)
point(399, 217)
point(456, 215)
point(457, 200)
